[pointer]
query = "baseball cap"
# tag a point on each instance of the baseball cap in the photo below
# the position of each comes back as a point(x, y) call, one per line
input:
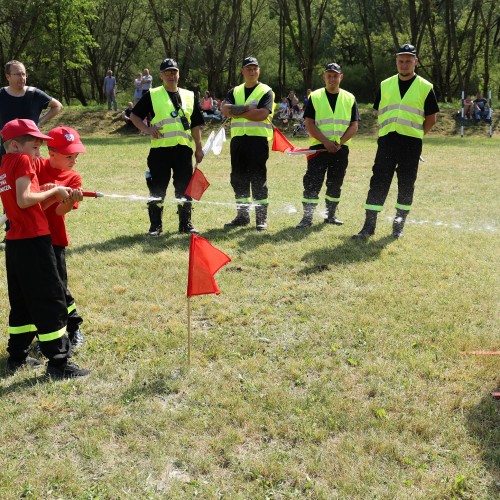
point(248, 61)
point(168, 64)
point(66, 141)
point(407, 49)
point(19, 127)
point(333, 67)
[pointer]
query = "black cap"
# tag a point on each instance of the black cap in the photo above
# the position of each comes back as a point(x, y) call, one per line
point(407, 49)
point(248, 61)
point(333, 67)
point(168, 64)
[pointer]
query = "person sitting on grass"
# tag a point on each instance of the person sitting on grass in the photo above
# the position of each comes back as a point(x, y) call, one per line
point(36, 295)
point(481, 108)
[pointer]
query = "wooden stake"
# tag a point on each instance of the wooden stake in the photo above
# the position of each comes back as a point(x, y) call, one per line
point(189, 332)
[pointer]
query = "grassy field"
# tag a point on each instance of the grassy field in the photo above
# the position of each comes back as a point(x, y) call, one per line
point(327, 368)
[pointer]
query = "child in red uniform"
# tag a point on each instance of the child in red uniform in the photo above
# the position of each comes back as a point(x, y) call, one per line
point(36, 295)
point(58, 170)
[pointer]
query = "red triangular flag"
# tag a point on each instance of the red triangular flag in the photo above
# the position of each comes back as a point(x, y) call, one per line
point(204, 261)
point(280, 142)
point(197, 185)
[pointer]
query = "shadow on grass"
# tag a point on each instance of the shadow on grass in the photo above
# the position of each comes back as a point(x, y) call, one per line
point(38, 376)
point(349, 252)
point(483, 424)
point(150, 244)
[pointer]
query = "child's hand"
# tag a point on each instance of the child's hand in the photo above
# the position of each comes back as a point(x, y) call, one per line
point(76, 195)
point(62, 193)
point(47, 186)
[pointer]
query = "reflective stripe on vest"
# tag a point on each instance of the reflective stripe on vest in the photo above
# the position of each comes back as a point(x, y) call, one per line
point(404, 116)
point(332, 126)
point(242, 126)
point(171, 129)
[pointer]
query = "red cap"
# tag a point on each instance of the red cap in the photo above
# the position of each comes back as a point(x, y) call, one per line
point(66, 141)
point(20, 127)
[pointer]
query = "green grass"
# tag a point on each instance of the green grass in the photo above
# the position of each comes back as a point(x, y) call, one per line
point(326, 368)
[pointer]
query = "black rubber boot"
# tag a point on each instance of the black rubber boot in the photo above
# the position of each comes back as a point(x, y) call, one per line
point(307, 218)
point(399, 223)
point(242, 216)
point(155, 216)
point(261, 217)
point(331, 208)
point(185, 224)
point(368, 228)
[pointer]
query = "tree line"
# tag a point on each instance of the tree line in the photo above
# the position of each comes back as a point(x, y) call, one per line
point(68, 45)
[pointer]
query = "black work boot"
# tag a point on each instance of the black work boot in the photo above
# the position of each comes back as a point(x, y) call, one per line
point(399, 223)
point(155, 215)
point(307, 218)
point(185, 224)
point(368, 228)
point(242, 216)
point(261, 217)
point(331, 208)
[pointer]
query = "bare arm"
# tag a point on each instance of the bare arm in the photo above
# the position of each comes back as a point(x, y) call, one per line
point(25, 198)
point(349, 133)
point(55, 107)
point(429, 122)
point(198, 154)
point(66, 205)
point(248, 111)
point(140, 125)
point(314, 131)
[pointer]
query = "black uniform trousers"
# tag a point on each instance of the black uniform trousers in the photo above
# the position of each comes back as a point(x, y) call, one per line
point(249, 155)
point(36, 297)
point(166, 163)
point(334, 165)
point(74, 319)
point(400, 154)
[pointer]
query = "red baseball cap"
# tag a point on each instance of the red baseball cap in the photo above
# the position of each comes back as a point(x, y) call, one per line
point(66, 141)
point(19, 127)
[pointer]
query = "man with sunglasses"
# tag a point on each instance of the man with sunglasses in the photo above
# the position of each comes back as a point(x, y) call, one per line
point(176, 121)
point(407, 109)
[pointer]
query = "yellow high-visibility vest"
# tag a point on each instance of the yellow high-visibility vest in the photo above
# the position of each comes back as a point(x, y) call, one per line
point(404, 116)
point(242, 126)
point(332, 126)
point(171, 129)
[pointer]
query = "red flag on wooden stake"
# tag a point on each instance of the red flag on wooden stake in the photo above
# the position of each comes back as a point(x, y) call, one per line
point(197, 185)
point(204, 261)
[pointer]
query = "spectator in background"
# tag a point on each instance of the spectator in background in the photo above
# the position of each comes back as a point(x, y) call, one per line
point(17, 100)
point(481, 108)
point(147, 81)
point(468, 107)
point(306, 98)
point(125, 116)
point(109, 90)
point(138, 87)
point(284, 110)
point(207, 103)
point(293, 102)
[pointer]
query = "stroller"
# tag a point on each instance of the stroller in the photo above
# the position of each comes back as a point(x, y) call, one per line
point(300, 128)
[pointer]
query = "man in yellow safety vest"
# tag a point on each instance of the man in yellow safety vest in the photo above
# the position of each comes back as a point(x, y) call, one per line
point(250, 107)
point(331, 117)
point(176, 121)
point(407, 109)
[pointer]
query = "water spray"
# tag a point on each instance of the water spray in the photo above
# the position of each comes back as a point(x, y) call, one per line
point(133, 197)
